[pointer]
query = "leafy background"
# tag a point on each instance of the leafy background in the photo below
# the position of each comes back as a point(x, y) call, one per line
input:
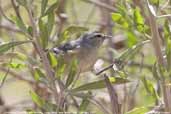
point(34, 79)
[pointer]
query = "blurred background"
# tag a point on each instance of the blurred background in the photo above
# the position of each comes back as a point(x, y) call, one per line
point(141, 42)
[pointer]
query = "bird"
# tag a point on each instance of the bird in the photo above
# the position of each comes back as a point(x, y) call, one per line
point(84, 50)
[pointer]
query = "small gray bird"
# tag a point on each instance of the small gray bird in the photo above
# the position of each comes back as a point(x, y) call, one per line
point(84, 49)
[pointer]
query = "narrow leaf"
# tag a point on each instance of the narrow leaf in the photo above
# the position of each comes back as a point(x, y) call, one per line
point(116, 17)
point(19, 22)
point(99, 84)
point(120, 19)
point(43, 6)
point(38, 74)
point(149, 87)
point(154, 2)
point(71, 30)
point(139, 110)
point(85, 102)
point(37, 99)
point(52, 59)
point(138, 19)
point(51, 22)
point(132, 39)
point(22, 2)
point(43, 33)
point(52, 7)
point(6, 46)
point(72, 72)
point(30, 31)
point(155, 73)
point(129, 52)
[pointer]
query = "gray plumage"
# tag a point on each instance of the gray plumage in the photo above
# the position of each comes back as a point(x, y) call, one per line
point(84, 49)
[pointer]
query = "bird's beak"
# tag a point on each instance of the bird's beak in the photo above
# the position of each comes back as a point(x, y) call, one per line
point(107, 36)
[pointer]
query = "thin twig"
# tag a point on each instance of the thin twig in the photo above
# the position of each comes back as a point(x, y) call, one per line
point(10, 61)
point(11, 29)
point(16, 9)
point(115, 106)
point(104, 69)
point(43, 56)
point(17, 76)
point(155, 36)
point(158, 52)
point(5, 76)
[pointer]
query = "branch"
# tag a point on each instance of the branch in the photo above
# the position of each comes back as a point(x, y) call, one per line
point(43, 56)
point(115, 106)
point(104, 69)
point(158, 52)
point(17, 76)
point(11, 29)
point(116, 62)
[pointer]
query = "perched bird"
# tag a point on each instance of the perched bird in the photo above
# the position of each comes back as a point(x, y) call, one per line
point(84, 50)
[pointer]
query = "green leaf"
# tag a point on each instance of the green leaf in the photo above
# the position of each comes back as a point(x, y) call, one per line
point(30, 30)
point(60, 68)
point(167, 36)
point(52, 59)
point(139, 110)
point(50, 106)
point(85, 102)
point(116, 17)
point(71, 30)
point(132, 39)
point(119, 19)
point(154, 2)
point(30, 111)
point(129, 52)
point(39, 101)
point(22, 2)
point(150, 88)
point(155, 73)
point(51, 22)
point(99, 84)
point(43, 6)
point(121, 74)
point(6, 46)
point(16, 65)
point(38, 74)
point(168, 53)
point(43, 33)
point(19, 22)
point(167, 28)
point(72, 73)
point(138, 19)
point(52, 7)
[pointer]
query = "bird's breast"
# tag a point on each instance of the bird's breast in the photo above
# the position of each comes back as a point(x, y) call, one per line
point(86, 59)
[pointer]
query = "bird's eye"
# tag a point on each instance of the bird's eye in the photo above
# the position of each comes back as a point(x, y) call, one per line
point(98, 35)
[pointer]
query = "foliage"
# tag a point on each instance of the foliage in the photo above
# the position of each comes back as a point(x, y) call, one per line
point(134, 72)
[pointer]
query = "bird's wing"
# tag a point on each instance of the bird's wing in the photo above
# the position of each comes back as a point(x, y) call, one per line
point(70, 47)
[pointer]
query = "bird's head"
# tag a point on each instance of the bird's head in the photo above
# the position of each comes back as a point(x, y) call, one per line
point(93, 39)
